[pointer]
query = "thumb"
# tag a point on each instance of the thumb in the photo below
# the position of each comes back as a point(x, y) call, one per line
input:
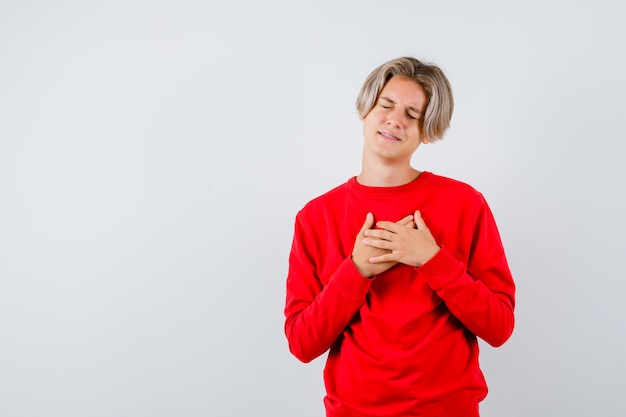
point(419, 221)
point(369, 222)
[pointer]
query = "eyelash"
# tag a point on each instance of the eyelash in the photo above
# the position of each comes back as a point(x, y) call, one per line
point(407, 114)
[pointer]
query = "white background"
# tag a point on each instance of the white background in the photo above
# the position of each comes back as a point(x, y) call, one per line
point(153, 155)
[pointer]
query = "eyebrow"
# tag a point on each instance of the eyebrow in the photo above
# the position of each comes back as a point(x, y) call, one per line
point(419, 112)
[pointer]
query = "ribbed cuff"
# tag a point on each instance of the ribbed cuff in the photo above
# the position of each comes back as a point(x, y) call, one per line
point(352, 284)
point(441, 269)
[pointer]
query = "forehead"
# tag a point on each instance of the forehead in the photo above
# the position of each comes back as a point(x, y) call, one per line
point(405, 91)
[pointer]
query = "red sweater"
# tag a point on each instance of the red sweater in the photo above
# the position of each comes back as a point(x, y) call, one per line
point(404, 342)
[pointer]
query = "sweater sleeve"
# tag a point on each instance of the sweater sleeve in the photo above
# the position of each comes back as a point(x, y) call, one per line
point(316, 314)
point(481, 293)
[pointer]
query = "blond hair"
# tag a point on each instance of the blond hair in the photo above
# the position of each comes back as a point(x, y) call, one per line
point(438, 91)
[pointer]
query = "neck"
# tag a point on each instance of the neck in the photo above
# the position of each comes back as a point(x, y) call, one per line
point(381, 174)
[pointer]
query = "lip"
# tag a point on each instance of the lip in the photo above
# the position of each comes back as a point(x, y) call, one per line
point(389, 136)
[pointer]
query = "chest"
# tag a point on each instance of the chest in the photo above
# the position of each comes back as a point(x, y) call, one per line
point(447, 220)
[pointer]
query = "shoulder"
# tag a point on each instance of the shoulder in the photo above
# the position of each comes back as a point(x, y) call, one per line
point(324, 202)
point(453, 188)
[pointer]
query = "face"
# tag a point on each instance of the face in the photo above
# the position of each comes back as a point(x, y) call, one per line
point(393, 128)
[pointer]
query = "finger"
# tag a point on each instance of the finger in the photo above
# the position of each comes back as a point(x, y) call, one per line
point(390, 226)
point(419, 221)
point(377, 243)
point(379, 233)
point(406, 221)
point(388, 257)
point(369, 222)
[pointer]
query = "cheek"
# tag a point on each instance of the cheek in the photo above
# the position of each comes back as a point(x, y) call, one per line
point(370, 123)
point(415, 131)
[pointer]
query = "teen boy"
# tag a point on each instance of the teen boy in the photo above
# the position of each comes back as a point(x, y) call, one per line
point(397, 272)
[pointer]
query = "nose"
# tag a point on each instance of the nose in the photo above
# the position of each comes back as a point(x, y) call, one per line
point(393, 118)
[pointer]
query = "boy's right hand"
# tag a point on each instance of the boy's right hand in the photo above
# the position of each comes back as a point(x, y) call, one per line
point(361, 254)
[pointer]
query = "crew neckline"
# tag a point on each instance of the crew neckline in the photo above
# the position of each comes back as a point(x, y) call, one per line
point(397, 189)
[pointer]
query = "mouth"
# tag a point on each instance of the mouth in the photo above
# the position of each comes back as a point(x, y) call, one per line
point(389, 136)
